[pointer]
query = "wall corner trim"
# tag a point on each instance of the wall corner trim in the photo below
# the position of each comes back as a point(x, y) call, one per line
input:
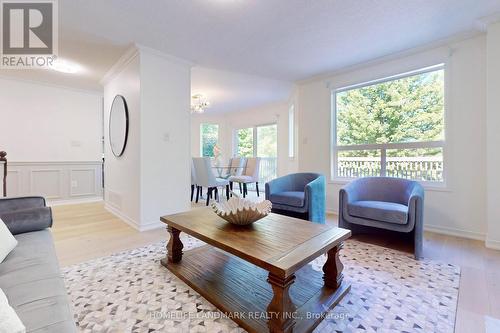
point(134, 224)
point(124, 60)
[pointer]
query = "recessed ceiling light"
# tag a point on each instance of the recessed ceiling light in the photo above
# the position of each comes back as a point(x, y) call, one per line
point(65, 66)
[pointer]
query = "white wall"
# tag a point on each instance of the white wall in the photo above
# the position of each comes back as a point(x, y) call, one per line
point(229, 122)
point(152, 177)
point(165, 137)
point(461, 207)
point(52, 136)
point(47, 123)
point(493, 135)
point(122, 174)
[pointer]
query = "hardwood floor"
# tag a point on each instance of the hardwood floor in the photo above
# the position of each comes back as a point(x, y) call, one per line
point(86, 231)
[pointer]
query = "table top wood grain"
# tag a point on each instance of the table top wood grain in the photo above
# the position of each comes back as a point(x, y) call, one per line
point(276, 243)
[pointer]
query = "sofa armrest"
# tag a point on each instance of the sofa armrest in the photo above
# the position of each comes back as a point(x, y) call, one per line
point(20, 203)
point(315, 198)
point(27, 220)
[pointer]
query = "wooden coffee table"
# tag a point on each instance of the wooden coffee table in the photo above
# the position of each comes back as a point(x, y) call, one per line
point(258, 275)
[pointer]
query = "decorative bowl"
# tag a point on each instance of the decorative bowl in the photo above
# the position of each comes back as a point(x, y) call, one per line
point(241, 211)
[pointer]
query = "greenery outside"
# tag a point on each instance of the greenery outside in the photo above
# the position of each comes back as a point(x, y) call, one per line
point(410, 109)
point(245, 142)
point(267, 145)
point(209, 136)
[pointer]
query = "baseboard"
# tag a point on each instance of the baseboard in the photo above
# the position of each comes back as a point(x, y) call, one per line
point(134, 224)
point(122, 216)
point(455, 232)
point(492, 244)
point(53, 203)
point(152, 226)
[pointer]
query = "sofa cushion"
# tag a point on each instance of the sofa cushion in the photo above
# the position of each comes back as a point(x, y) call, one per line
point(34, 286)
point(380, 211)
point(289, 198)
point(27, 220)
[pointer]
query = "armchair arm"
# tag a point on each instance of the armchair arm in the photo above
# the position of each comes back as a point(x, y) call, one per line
point(315, 197)
point(416, 197)
point(277, 185)
point(349, 192)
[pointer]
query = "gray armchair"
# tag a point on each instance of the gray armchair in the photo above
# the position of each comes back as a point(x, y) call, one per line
point(385, 203)
point(299, 195)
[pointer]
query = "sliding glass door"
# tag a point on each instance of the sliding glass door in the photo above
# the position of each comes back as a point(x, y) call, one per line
point(259, 141)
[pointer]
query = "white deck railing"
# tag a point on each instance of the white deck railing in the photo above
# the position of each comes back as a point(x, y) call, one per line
point(268, 169)
point(418, 168)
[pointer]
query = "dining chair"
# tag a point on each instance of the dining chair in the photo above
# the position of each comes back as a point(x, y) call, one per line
point(250, 175)
point(237, 166)
point(194, 183)
point(206, 178)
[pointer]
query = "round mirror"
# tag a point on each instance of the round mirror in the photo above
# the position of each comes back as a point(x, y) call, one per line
point(118, 125)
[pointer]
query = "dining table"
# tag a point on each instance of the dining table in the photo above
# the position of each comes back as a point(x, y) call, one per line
point(225, 171)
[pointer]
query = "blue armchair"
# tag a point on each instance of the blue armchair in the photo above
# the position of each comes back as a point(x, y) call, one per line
point(299, 195)
point(385, 203)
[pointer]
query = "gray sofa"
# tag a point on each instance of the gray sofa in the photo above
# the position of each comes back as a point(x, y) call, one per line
point(384, 203)
point(29, 275)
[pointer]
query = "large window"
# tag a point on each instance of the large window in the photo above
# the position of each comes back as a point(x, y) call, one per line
point(261, 141)
point(391, 127)
point(209, 135)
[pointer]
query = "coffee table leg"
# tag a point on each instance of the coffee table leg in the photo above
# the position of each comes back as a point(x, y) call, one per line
point(333, 267)
point(174, 247)
point(281, 309)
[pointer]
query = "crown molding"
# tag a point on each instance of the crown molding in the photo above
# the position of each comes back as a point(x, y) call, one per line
point(129, 55)
point(168, 57)
point(134, 51)
point(483, 23)
point(97, 92)
point(394, 56)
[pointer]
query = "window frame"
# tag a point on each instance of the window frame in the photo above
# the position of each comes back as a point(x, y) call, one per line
point(335, 148)
point(201, 136)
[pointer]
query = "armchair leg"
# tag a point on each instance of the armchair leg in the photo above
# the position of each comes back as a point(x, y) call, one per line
point(198, 190)
point(257, 188)
point(216, 194)
point(192, 191)
point(245, 190)
point(227, 192)
point(240, 187)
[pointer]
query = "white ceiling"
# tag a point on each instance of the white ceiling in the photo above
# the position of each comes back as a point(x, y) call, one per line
point(283, 40)
point(229, 91)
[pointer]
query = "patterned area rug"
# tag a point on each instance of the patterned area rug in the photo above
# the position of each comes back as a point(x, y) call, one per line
point(391, 292)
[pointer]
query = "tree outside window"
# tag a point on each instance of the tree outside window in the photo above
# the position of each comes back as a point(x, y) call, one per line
point(209, 134)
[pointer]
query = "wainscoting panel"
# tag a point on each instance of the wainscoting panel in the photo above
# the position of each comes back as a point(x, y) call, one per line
point(13, 183)
point(83, 182)
point(46, 183)
point(58, 182)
